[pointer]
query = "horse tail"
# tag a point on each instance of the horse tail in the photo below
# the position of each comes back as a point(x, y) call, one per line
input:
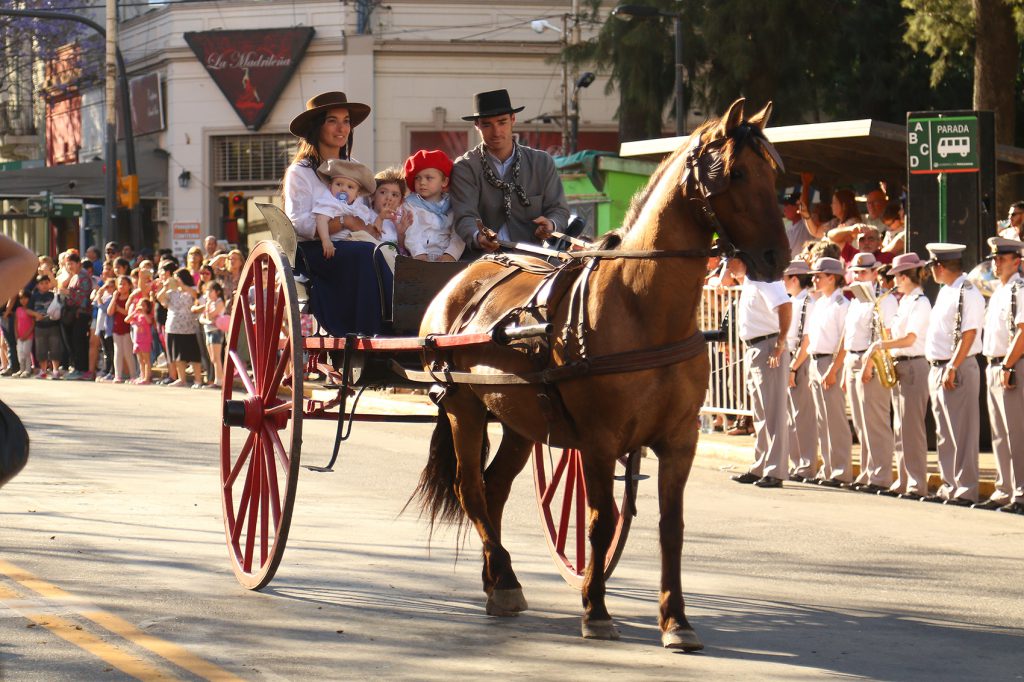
point(437, 488)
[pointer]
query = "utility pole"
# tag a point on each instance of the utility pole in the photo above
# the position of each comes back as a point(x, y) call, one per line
point(110, 195)
point(565, 85)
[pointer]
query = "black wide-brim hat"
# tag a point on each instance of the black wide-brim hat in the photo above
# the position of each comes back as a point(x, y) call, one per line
point(492, 103)
point(357, 111)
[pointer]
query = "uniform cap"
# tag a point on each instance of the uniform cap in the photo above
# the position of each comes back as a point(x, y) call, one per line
point(940, 251)
point(797, 266)
point(1000, 245)
point(828, 266)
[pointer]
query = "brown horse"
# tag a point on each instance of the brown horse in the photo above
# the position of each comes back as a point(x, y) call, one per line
point(724, 181)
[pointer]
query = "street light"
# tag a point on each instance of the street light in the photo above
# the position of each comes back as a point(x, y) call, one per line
point(584, 81)
point(628, 12)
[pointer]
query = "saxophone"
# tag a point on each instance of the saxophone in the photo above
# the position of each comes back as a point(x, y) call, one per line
point(885, 367)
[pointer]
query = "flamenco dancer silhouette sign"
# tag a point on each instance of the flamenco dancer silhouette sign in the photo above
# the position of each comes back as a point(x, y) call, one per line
point(251, 68)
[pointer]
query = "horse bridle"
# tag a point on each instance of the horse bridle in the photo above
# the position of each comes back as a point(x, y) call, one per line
point(705, 168)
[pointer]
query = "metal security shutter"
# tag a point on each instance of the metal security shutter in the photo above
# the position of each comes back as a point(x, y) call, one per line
point(251, 160)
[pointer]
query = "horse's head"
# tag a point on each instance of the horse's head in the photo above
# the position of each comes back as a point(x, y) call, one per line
point(730, 172)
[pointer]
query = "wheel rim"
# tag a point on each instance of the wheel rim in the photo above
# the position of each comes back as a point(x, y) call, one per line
point(261, 431)
point(562, 502)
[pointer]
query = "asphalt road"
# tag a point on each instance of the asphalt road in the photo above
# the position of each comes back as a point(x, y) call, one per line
point(113, 565)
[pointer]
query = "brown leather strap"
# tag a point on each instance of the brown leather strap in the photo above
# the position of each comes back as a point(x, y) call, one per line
point(485, 288)
point(615, 363)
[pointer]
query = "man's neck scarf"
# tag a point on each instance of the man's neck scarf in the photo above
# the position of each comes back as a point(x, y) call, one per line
point(506, 187)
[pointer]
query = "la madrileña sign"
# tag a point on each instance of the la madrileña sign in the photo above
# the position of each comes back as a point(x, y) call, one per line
point(251, 68)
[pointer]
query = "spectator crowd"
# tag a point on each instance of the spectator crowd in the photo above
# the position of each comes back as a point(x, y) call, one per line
point(117, 317)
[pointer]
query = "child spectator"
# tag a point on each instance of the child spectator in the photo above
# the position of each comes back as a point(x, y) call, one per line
point(386, 202)
point(118, 310)
point(49, 346)
point(212, 308)
point(103, 332)
point(141, 320)
point(348, 181)
point(430, 235)
point(23, 328)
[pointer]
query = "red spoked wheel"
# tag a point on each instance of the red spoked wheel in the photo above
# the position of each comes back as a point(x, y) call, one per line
point(562, 501)
point(261, 432)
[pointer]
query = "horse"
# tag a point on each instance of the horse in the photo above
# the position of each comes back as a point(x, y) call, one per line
point(644, 288)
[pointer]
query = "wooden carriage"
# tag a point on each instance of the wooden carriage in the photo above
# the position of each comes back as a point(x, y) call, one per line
point(269, 362)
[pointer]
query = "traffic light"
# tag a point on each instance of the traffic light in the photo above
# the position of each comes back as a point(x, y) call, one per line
point(236, 205)
point(127, 189)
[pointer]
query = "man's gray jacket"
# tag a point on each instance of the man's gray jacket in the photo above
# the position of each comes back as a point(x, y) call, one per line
point(473, 197)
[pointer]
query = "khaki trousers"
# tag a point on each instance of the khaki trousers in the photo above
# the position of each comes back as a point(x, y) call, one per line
point(957, 417)
point(834, 437)
point(767, 388)
point(869, 409)
point(803, 431)
point(910, 402)
point(1005, 412)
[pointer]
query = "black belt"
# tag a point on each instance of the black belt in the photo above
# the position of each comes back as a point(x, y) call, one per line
point(759, 339)
point(819, 356)
point(904, 358)
point(938, 363)
point(857, 352)
point(995, 361)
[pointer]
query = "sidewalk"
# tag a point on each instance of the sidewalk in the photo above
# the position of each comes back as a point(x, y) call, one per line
point(719, 449)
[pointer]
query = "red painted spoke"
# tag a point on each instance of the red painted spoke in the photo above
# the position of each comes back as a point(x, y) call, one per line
point(581, 524)
point(275, 376)
point(567, 499)
point(264, 494)
point(243, 375)
point(271, 468)
point(250, 334)
point(282, 455)
point(274, 301)
point(254, 499)
point(242, 457)
point(243, 502)
point(260, 314)
point(283, 408)
point(556, 477)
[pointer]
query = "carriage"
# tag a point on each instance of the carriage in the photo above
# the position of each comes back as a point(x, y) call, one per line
point(582, 366)
point(265, 405)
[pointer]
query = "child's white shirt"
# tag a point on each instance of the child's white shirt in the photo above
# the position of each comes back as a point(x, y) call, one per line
point(431, 235)
point(328, 205)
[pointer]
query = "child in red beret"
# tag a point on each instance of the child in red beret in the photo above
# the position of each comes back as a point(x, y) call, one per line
point(430, 235)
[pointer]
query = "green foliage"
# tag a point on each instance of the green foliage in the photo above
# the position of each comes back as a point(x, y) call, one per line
point(942, 29)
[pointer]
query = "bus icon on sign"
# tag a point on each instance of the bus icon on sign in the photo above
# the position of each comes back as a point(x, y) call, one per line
point(954, 145)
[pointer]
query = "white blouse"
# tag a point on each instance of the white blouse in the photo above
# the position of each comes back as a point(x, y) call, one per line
point(302, 188)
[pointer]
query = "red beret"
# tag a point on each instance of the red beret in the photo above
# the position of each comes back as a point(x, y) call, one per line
point(423, 159)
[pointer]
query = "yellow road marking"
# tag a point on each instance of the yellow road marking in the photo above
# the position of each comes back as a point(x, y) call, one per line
point(172, 652)
point(108, 653)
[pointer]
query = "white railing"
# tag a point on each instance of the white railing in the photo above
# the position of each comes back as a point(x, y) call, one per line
point(726, 390)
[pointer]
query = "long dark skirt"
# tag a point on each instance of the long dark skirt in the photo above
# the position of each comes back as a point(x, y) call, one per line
point(183, 348)
point(351, 292)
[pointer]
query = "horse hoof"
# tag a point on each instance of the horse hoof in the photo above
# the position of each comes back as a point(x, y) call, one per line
point(600, 629)
point(506, 602)
point(681, 638)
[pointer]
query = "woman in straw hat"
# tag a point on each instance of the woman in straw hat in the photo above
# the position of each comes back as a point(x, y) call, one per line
point(348, 289)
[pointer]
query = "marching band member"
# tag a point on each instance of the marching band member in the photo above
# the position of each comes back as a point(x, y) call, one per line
point(803, 436)
point(952, 341)
point(869, 399)
point(822, 347)
point(1003, 345)
point(763, 310)
point(910, 395)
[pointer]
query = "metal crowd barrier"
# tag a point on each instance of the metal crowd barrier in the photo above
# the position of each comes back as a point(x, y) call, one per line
point(726, 390)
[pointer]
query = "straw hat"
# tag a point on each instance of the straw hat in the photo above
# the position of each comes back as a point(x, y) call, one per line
point(357, 111)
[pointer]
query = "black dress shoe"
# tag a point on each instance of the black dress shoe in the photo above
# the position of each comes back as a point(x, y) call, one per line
point(797, 478)
point(932, 498)
point(990, 505)
point(886, 492)
point(847, 485)
point(769, 482)
point(830, 482)
point(746, 478)
point(1015, 508)
point(909, 496)
point(870, 489)
point(958, 502)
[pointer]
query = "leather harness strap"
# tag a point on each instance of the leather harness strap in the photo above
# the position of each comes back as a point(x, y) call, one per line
point(614, 363)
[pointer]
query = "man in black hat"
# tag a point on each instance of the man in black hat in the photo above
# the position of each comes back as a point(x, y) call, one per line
point(502, 189)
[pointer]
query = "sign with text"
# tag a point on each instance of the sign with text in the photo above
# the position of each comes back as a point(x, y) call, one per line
point(183, 237)
point(947, 144)
point(251, 68)
point(147, 104)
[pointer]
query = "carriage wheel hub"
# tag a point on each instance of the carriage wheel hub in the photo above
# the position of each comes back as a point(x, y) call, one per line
point(247, 412)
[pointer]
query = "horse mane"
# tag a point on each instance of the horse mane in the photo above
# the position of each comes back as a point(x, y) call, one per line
point(743, 135)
